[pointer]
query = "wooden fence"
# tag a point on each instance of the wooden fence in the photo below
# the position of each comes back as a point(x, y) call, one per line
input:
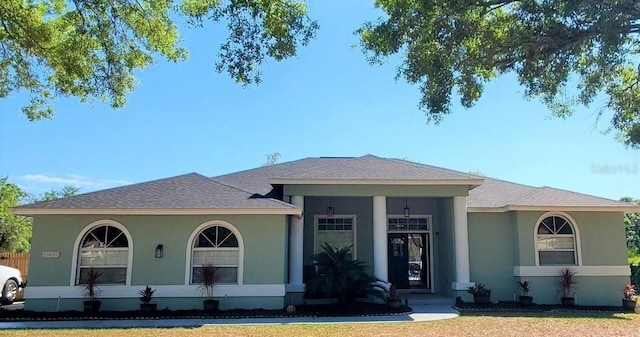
point(19, 261)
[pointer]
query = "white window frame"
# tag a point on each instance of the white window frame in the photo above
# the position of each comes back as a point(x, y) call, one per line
point(317, 217)
point(413, 216)
point(576, 237)
point(75, 265)
point(190, 249)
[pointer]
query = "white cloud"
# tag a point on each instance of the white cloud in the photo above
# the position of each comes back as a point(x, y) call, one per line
point(79, 181)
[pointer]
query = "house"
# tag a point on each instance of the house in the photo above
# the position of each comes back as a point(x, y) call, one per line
point(421, 227)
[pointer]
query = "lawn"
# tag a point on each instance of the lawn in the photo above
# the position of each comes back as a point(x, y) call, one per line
point(487, 324)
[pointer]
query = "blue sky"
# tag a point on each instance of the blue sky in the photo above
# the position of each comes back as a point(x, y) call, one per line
point(327, 101)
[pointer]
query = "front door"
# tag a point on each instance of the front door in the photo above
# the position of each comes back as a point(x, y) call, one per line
point(399, 260)
point(409, 260)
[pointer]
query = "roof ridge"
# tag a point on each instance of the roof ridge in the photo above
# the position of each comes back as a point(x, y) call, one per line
point(247, 192)
point(317, 167)
point(582, 194)
point(116, 187)
point(421, 165)
point(260, 168)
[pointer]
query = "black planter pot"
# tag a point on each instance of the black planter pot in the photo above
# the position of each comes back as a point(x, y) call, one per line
point(526, 300)
point(394, 303)
point(478, 299)
point(148, 307)
point(629, 304)
point(92, 306)
point(568, 301)
point(211, 305)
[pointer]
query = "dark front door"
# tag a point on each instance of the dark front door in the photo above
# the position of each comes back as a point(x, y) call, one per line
point(399, 259)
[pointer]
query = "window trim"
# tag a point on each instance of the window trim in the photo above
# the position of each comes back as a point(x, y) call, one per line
point(429, 218)
point(576, 235)
point(354, 229)
point(194, 235)
point(75, 266)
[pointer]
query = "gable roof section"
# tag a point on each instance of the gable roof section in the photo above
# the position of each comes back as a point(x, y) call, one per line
point(500, 196)
point(186, 194)
point(370, 169)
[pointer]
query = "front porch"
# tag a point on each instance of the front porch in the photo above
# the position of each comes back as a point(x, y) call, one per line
point(419, 243)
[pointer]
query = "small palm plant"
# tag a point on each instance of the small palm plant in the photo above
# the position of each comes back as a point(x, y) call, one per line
point(525, 289)
point(339, 276)
point(208, 277)
point(90, 290)
point(566, 281)
point(146, 295)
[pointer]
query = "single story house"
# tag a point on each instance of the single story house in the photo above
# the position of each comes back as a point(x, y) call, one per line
point(420, 227)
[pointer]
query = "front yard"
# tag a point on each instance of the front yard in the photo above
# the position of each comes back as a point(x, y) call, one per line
point(481, 324)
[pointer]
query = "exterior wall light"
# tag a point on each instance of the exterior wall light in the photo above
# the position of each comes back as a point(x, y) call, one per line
point(407, 210)
point(330, 210)
point(159, 251)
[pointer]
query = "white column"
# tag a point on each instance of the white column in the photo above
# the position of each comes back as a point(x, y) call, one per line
point(461, 237)
point(380, 264)
point(296, 239)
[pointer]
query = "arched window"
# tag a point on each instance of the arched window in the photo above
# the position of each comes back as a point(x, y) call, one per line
point(105, 249)
point(218, 244)
point(556, 241)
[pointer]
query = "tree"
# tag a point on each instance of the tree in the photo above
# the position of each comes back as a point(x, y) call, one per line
point(15, 230)
point(632, 229)
point(90, 49)
point(553, 46)
point(272, 158)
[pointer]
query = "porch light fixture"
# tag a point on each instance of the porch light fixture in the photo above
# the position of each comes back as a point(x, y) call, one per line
point(159, 251)
point(330, 210)
point(407, 211)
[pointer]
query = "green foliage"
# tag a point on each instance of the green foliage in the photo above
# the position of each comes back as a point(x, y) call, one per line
point(272, 158)
point(339, 276)
point(632, 229)
point(90, 49)
point(479, 289)
point(15, 230)
point(525, 287)
point(551, 46)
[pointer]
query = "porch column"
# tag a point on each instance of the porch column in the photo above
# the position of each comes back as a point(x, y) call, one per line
point(461, 237)
point(296, 238)
point(380, 238)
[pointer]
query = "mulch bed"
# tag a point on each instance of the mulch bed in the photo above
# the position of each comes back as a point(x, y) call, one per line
point(321, 310)
point(517, 307)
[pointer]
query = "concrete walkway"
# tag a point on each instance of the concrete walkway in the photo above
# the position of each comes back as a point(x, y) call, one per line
point(423, 310)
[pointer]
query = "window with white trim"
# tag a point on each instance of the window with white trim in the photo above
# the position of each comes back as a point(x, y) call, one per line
point(337, 231)
point(556, 242)
point(104, 249)
point(219, 246)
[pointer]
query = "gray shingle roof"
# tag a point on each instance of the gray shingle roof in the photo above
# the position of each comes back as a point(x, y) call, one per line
point(252, 191)
point(496, 193)
point(370, 167)
point(190, 191)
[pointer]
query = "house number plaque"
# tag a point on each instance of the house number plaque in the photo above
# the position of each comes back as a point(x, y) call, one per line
point(51, 254)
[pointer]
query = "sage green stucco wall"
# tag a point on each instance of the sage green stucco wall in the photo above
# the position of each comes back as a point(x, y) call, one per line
point(601, 235)
point(500, 241)
point(491, 252)
point(263, 235)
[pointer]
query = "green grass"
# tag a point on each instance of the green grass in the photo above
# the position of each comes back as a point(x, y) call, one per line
point(477, 324)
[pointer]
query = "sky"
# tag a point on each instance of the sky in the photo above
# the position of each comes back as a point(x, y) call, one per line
point(326, 101)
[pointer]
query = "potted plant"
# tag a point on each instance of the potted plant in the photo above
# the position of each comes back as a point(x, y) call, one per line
point(481, 295)
point(566, 281)
point(90, 290)
point(629, 300)
point(146, 295)
point(525, 288)
point(208, 277)
point(394, 301)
